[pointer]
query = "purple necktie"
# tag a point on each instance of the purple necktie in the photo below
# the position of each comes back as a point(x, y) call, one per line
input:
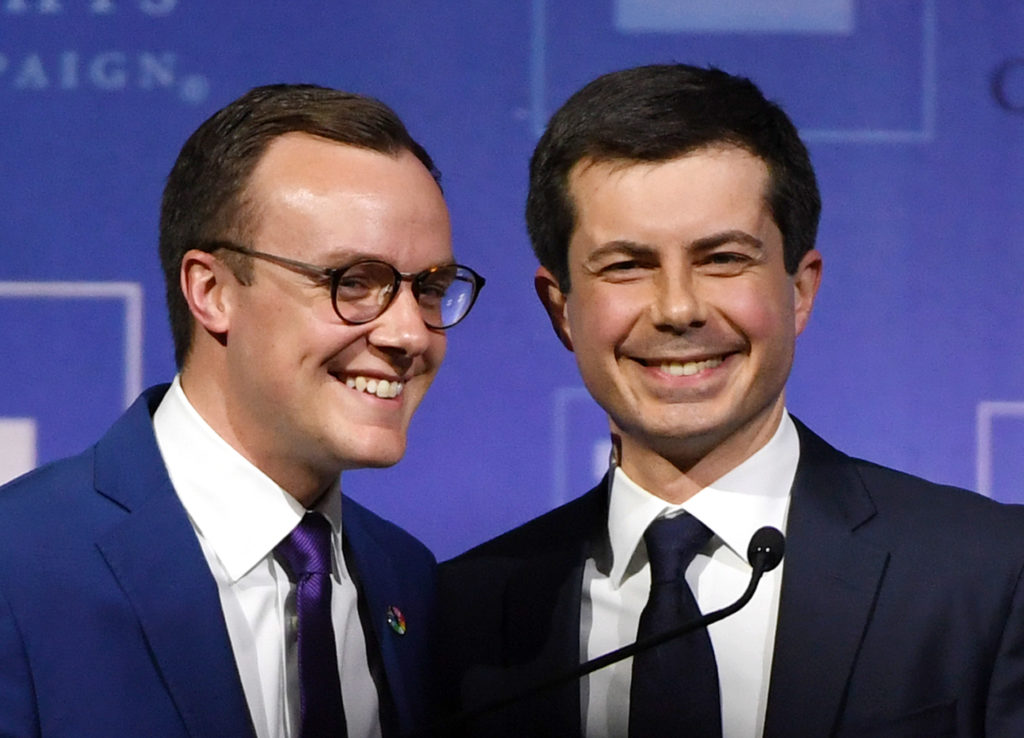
point(675, 685)
point(306, 554)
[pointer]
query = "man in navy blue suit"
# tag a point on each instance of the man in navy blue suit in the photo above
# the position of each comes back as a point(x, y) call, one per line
point(674, 212)
point(188, 574)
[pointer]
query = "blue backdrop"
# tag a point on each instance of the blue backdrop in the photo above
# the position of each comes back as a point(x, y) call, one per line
point(913, 109)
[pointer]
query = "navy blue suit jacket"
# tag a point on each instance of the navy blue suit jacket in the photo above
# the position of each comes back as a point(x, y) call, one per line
point(110, 621)
point(901, 611)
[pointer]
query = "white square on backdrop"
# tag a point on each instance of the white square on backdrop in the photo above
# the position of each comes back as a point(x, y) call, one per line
point(735, 16)
point(17, 447)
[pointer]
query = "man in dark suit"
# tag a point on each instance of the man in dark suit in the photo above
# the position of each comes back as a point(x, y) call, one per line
point(674, 211)
point(198, 572)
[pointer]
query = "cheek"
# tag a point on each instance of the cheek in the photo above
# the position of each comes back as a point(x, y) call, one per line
point(436, 351)
point(762, 312)
point(600, 319)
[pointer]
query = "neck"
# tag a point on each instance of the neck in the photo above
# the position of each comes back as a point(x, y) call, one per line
point(305, 482)
point(677, 469)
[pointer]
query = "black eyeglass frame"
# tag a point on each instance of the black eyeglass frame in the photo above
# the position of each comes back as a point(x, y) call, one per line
point(334, 275)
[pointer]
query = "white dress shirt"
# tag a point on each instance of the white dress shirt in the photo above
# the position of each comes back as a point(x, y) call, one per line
point(615, 589)
point(240, 515)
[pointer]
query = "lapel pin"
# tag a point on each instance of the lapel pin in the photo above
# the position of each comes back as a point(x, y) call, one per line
point(396, 620)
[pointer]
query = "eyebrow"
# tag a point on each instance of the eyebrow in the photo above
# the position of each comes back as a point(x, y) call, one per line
point(635, 248)
point(344, 258)
point(629, 248)
point(731, 236)
point(347, 256)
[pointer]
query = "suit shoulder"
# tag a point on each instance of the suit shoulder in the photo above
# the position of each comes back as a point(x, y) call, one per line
point(949, 524)
point(128, 444)
point(902, 499)
point(555, 529)
point(45, 486)
point(387, 535)
point(899, 491)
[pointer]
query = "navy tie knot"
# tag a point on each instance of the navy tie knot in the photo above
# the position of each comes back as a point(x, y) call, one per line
point(674, 688)
point(672, 543)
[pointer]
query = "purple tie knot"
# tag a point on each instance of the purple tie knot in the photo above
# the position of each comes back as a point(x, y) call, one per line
point(307, 549)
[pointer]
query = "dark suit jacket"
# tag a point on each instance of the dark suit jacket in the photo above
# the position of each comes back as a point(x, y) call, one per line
point(901, 612)
point(110, 622)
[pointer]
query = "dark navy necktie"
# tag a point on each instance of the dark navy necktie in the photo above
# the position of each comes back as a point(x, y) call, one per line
point(674, 689)
point(306, 554)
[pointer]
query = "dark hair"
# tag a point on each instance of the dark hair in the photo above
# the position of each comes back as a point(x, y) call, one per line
point(656, 113)
point(205, 197)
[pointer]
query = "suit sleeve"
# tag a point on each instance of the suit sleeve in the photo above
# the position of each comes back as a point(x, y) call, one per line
point(1005, 711)
point(18, 717)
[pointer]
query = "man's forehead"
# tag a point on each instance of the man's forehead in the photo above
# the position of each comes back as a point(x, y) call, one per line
point(596, 184)
point(306, 157)
point(297, 167)
point(350, 202)
point(610, 165)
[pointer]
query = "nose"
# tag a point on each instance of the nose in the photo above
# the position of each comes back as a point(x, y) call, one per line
point(401, 328)
point(677, 304)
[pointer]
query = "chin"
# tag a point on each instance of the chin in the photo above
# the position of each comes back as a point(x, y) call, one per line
point(373, 455)
point(377, 462)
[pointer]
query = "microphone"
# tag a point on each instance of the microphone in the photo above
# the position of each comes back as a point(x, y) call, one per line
point(764, 553)
point(766, 549)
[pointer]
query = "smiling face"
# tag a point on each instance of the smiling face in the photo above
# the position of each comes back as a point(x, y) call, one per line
point(680, 313)
point(295, 389)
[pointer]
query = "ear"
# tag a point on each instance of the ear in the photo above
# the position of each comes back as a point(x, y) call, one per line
point(806, 280)
point(203, 281)
point(553, 299)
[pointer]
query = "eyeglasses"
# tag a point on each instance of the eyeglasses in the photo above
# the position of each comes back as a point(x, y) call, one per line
point(362, 291)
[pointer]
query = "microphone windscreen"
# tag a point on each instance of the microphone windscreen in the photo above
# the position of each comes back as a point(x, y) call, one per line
point(768, 544)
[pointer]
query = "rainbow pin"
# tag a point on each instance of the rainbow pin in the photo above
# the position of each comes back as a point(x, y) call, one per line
point(396, 620)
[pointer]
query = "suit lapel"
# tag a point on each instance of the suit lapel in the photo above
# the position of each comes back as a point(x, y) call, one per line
point(542, 612)
point(399, 662)
point(156, 558)
point(829, 586)
point(551, 632)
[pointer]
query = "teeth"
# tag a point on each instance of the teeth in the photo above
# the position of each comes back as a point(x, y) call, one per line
point(676, 369)
point(379, 387)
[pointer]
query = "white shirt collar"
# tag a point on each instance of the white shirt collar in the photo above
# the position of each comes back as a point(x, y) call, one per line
point(240, 512)
point(752, 495)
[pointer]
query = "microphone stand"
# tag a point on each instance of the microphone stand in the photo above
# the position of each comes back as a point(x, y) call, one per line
point(764, 552)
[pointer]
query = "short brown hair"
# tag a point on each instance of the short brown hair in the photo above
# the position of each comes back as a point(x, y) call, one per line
point(660, 112)
point(204, 199)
